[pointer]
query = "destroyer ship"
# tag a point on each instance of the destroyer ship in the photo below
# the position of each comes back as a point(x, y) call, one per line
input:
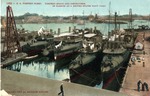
point(35, 46)
point(39, 40)
point(65, 45)
point(91, 48)
point(115, 55)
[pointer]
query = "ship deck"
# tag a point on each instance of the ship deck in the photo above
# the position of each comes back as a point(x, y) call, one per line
point(114, 51)
point(85, 60)
point(137, 71)
point(69, 46)
point(39, 43)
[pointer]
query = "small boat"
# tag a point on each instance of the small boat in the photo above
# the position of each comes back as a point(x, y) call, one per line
point(31, 57)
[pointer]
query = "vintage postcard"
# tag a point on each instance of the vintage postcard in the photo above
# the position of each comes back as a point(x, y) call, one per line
point(75, 47)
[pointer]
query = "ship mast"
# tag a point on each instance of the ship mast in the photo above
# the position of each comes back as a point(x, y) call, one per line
point(83, 20)
point(115, 25)
point(115, 21)
point(149, 20)
point(130, 20)
point(109, 18)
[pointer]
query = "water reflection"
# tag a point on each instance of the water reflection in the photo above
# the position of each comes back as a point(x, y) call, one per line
point(58, 70)
point(88, 77)
point(40, 66)
point(16, 67)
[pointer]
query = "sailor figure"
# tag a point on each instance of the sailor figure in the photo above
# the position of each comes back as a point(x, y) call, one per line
point(138, 85)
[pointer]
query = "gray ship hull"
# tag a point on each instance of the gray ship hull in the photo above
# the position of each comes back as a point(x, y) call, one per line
point(110, 68)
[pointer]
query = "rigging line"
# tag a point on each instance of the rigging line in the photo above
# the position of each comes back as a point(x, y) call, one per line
point(102, 69)
point(88, 78)
point(82, 75)
point(92, 81)
point(116, 76)
point(109, 16)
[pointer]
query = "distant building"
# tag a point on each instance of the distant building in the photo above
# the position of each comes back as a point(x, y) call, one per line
point(91, 17)
point(33, 19)
point(139, 42)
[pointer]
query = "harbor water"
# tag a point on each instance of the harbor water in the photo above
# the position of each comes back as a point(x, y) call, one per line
point(103, 27)
point(42, 67)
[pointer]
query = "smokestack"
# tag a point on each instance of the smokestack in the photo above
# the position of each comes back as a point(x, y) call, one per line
point(58, 31)
point(74, 28)
point(69, 29)
point(51, 30)
point(109, 34)
point(95, 29)
point(82, 34)
point(91, 29)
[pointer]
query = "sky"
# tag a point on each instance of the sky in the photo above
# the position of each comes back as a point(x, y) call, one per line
point(76, 7)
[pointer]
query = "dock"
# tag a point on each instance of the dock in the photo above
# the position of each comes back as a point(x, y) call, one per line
point(15, 57)
point(18, 84)
point(139, 69)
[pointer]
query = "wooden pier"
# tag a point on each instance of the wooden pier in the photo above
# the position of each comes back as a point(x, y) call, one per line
point(138, 69)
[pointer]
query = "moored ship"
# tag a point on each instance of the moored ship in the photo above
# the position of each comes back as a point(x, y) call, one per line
point(38, 41)
point(115, 55)
point(91, 48)
point(65, 44)
point(65, 50)
point(35, 47)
